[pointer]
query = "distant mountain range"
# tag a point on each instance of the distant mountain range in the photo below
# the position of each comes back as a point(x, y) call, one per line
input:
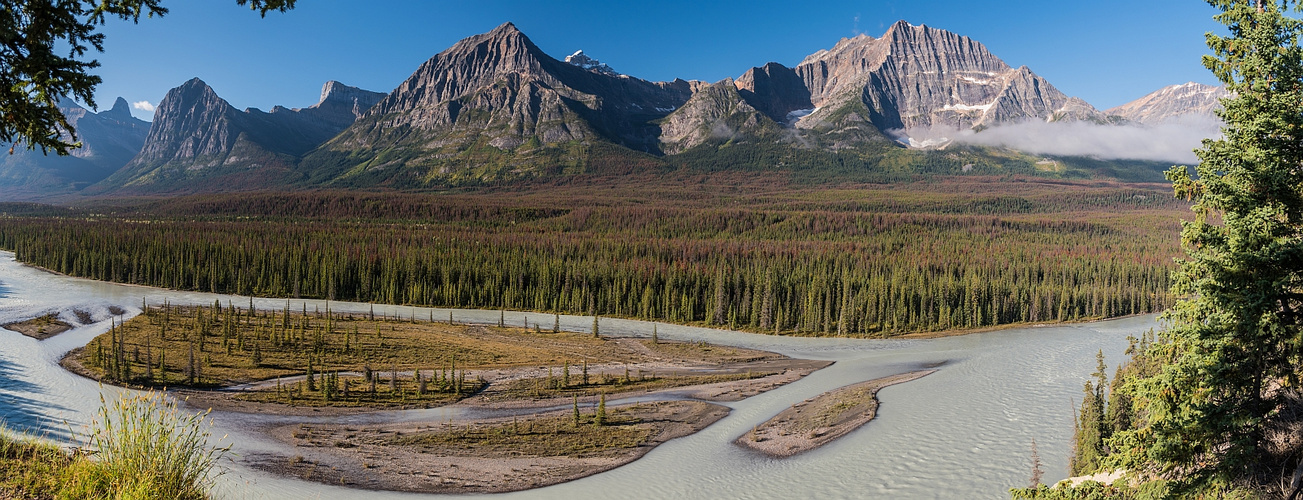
point(496, 108)
point(109, 140)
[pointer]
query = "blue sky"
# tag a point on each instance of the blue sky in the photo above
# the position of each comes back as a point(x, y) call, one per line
point(1107, 52)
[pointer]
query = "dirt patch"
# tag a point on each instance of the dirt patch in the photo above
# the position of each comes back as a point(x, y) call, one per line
point(489, 456)
point(40, 328)
point(820, 420)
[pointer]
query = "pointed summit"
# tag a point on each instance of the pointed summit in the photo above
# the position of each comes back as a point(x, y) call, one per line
point(120, 110)
point(900, 27)
point(507, 28)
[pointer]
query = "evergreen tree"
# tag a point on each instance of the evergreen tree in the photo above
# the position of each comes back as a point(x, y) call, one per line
point(575, 414)
point(1233, 342)
point(600, 418)
point(1088, 441)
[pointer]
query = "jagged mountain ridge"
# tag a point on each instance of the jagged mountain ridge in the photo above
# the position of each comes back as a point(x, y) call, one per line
point(197, 136)
point(1173, 102)
point(921, 77)
point(498, 102)
point(109, 140)
point(494, 107)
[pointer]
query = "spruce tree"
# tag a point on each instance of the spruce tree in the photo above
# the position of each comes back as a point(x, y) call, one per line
point(575, 414)
point(1233, 337)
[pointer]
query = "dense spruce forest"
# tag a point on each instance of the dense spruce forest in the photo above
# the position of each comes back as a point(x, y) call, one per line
point(868, 260)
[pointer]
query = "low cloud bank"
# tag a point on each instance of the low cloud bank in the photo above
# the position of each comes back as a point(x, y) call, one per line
point(1173, 140)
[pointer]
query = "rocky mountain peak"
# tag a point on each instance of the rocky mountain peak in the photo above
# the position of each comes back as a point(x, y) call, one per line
point(580, 59)
point(922, 77)
point(1173, 101)
point(774, 90)
point(120, 110)
point(472, 63)
point(336, 91)
point(344, 103)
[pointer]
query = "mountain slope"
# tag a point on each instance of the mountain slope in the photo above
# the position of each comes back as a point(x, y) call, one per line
point(1171, 102)
point(716, 113)
point(109, 140)
point(198, 138)
point(492, 107)
point(921, 77)
point(495, 108)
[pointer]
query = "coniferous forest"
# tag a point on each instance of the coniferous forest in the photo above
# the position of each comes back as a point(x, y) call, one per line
point(867, 260)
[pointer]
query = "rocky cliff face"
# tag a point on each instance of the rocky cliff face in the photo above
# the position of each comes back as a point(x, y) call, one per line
point(497, 103)
point(920, 77)
point(1172, 102)
point(109, 140)
point(197, 137)
point(716, 113)
point(190, 122)
point(775, 90)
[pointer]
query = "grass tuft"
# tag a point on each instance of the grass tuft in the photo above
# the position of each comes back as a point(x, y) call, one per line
point(147, 447)
point(143, 447)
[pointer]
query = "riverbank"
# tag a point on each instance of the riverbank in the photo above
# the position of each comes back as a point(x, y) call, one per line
point(1018, 368)
point(488, 456)
point(822, 419)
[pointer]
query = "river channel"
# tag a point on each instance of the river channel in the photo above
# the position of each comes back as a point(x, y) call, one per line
point(962, 432)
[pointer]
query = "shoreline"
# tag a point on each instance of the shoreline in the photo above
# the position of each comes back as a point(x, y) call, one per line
point(376, 457)
point(903, 336)
point(822, 419)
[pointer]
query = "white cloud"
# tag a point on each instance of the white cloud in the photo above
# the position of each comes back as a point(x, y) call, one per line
point(143, 106)
point(1172, 141)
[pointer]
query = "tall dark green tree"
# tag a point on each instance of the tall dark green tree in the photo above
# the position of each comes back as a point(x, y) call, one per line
point(43, 49)
point(1233, 340)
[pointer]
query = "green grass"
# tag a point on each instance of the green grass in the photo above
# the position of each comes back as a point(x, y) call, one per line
point(144, 448)
point(31, 469)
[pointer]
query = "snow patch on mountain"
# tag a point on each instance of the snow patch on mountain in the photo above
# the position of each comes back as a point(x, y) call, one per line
point(580, 59)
